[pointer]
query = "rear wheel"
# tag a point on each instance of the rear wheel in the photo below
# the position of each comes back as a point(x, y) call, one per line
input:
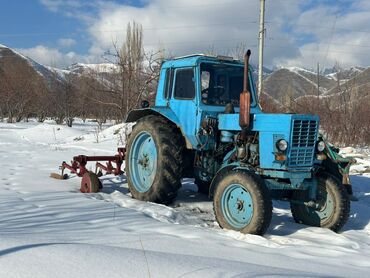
point(242, 202)
point(154, 160)
point(334, 205)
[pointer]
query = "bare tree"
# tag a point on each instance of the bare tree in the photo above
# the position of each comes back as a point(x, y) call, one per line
point(136, 77)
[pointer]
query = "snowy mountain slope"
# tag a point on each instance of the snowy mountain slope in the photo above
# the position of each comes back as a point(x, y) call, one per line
point(343, 74)
point(81, 68)
point(14, 56)
point(285, 82)
point(325, 82)
point(52, 76)
point(292, 82)
point(55, 231)
point(359, 84)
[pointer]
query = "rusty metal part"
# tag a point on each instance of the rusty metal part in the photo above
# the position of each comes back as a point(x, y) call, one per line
point(58, 176)
point(346, 179)
point(321, 156)
point(90, 183)
point(245, 96)
point(78, 164)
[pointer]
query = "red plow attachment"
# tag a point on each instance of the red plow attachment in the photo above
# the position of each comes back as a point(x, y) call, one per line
point(90, 181)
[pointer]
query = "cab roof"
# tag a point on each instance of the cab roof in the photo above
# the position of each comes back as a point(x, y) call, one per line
point(195, 59)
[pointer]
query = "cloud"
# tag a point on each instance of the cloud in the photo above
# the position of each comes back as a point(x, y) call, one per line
point(52, 56)
point(66, 42)
point(337, 36)
point(57, 5)
point(80, 9)
point(298, 32)
point(188, 26)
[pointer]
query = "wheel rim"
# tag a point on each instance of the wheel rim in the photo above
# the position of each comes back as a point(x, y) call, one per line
point(143, 161)
point(237, 206)
point(326, 201)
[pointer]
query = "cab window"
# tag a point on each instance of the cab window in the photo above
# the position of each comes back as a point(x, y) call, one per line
point(221, 84)
point(184, 84)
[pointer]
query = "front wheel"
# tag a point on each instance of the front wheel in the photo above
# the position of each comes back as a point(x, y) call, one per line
point(333, 200)
point(242, 203)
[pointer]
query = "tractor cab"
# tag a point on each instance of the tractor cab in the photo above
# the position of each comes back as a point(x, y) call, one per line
point(198, 87)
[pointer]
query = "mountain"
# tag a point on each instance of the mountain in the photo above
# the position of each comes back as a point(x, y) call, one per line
point(9, 56)
point(280, 83)
point(12, 62)
point(343, 74)
point(103, 68)
point(284, 81)
point(297, 83)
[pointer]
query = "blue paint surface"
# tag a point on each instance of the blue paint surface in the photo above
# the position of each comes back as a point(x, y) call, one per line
point(272, 128)
point(143, 162)
point(188, 114)
point(237, 206)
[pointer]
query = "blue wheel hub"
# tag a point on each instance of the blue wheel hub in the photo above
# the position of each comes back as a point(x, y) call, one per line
point(143, 162)
point(237, 206)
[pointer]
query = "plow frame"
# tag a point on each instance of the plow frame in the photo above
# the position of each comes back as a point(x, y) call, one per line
point(78, 164)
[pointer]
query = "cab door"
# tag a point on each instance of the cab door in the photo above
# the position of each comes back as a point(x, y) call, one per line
point(183, 101)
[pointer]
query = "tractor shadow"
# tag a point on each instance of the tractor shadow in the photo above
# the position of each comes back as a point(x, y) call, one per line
point(188, 193)
point(114, 183)
point(359, 216)
point(283, 224)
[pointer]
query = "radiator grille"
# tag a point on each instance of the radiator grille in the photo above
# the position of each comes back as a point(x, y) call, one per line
point(304, 136)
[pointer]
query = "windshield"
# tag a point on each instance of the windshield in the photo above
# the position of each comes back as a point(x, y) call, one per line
point(221, 84)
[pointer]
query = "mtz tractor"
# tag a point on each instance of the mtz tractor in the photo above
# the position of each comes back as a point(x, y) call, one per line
point(207, 124)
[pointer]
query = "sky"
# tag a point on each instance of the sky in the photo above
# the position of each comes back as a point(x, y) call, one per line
point(298, 32)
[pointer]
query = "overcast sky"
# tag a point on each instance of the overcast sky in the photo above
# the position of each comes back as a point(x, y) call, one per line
point(299, 32)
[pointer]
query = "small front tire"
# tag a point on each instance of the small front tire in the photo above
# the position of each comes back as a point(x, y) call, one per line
point(334, 205)
point(242, 203)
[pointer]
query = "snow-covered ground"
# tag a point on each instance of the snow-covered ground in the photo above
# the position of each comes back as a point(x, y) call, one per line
point(49, 229)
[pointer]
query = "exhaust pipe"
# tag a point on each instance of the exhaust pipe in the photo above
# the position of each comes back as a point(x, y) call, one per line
point(245, 96)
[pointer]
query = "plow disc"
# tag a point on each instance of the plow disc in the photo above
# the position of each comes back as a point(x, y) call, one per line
point(90, 183)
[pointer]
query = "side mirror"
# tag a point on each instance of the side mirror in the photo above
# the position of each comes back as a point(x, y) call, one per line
point(144, 104)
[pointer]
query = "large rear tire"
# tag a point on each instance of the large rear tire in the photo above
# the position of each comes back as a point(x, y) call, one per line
point(334, 204)
point(154, 161)
point(242, 202)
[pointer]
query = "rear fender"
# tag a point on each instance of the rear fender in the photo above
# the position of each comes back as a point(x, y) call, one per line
point(136, 114)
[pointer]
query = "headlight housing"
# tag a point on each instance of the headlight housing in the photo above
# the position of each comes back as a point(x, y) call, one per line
point(282, 145)
point(321, 146)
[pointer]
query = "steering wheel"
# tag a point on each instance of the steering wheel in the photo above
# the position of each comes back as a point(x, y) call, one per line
point(216, 92)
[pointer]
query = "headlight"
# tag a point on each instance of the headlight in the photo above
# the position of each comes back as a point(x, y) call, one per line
point(282, 145)
point(321, 146)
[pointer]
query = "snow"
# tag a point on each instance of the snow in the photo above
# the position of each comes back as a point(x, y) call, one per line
point(61, 73)
point(297, 70)
point(49, 229)
point(362, 157)
point(100, 68)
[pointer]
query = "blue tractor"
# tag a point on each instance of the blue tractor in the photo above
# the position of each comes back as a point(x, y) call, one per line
point(207, 124)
